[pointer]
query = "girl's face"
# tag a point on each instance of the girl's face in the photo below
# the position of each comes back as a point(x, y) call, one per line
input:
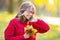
point(29, 13)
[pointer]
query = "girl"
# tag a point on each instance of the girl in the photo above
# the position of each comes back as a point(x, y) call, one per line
point(15, 29)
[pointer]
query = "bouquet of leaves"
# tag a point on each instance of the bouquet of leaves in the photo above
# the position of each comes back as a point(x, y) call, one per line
point(30, 30)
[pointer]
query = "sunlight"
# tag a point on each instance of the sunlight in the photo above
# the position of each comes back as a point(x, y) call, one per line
point(51, 2)
point(51, 20)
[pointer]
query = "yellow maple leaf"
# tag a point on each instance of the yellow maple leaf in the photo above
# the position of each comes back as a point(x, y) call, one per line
point(30, 30)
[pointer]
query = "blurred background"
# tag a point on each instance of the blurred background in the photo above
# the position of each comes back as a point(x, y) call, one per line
point(47, 10)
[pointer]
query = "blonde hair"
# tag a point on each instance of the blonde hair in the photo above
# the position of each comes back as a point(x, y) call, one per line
point(25, 5)
point(23, 8)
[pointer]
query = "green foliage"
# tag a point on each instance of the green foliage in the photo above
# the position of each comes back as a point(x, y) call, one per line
point(52, 34)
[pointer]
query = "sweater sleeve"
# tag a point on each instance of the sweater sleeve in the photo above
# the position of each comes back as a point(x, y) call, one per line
point(41, 26)
point(9, 32)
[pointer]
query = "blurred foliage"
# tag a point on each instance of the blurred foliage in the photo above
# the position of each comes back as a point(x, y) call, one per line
point(52, 34)
point(44, 8)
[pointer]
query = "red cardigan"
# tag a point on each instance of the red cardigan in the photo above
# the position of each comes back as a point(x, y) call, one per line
point(15, 29)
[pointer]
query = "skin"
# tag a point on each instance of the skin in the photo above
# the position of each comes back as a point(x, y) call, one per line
point(29, 13)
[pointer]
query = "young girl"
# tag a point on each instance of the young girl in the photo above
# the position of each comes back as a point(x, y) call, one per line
point(15, 29)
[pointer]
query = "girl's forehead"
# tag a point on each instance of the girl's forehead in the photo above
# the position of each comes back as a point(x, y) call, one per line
point(30, 9)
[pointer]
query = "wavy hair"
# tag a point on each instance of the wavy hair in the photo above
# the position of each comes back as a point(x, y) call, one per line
point(23, 7)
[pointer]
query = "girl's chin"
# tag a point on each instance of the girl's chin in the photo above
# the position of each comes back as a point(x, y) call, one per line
point(28, 18)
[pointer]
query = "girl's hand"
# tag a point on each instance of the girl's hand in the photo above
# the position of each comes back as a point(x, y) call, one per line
point(26, 35)
point(34, 19)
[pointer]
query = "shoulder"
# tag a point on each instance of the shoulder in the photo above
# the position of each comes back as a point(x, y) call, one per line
point(13, 20)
